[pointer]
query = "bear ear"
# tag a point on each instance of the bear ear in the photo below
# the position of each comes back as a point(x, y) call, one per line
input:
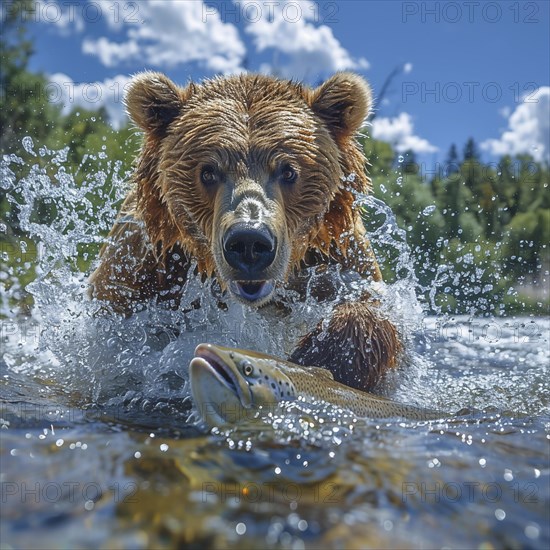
point(153, 101)
point(343, 102)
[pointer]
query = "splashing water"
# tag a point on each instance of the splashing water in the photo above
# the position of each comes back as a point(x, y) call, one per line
point(82, 390)
point(144, 359)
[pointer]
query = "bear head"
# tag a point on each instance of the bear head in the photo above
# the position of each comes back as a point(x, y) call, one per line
point(248, 172)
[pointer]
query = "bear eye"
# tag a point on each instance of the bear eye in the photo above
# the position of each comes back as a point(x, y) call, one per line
point(248, 369)
point(208, 175)
point(288, 174)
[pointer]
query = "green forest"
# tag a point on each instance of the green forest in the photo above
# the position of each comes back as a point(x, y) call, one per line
point(481, 231)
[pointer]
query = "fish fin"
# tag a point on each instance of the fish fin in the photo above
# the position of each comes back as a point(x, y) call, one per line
point(318, 371)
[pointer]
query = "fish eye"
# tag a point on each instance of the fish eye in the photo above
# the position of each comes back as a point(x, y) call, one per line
point(247, 367)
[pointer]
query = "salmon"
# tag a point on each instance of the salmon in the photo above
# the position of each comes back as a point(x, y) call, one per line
point(229, 385)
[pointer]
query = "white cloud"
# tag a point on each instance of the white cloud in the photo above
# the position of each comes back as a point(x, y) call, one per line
point(108, 93)
point(65, 16)
point(399, 131)
point(111, 53)
point(309, 51)
point(528, 129)
point(505, 112)
point(117, 14)
point(168, 33)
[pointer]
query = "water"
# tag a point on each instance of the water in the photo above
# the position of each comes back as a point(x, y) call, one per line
point(101, 446)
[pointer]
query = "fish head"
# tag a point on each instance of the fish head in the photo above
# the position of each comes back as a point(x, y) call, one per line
point(227, 383)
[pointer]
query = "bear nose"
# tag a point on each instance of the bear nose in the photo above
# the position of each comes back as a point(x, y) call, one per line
point(249, 248)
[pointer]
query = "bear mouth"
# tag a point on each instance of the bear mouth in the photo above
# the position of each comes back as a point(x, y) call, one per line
point(252, 291)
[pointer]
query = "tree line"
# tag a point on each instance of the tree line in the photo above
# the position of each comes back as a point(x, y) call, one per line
point(480, 229)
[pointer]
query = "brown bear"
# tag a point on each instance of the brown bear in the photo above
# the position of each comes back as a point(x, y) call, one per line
point(253, 178)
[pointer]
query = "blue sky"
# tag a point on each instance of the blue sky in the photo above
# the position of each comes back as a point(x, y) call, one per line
point(474, 68)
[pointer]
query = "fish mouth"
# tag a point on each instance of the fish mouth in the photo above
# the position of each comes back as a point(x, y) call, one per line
point(210, 367)
point(213, 398)
point(252, 292)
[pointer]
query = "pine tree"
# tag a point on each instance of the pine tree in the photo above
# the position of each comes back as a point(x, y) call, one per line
point(452, 163)
point(471, 151)
point(410, 163)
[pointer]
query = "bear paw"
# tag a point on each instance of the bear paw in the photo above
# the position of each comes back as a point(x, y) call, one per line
point(358, 346)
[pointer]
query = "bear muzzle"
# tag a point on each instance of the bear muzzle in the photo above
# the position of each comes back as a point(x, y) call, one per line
point(249, 249)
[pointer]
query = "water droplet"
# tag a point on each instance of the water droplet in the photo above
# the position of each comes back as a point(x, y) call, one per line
point(428, 210)
point(532, 531)
point(400, 158)
point(240, 528)
point(28, 145)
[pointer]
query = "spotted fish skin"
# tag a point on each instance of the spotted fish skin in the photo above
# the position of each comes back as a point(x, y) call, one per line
point(250, 379)
point(276, 382)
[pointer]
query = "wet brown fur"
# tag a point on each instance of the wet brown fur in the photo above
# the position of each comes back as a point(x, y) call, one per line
point(358, 336)
point(249, 125)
